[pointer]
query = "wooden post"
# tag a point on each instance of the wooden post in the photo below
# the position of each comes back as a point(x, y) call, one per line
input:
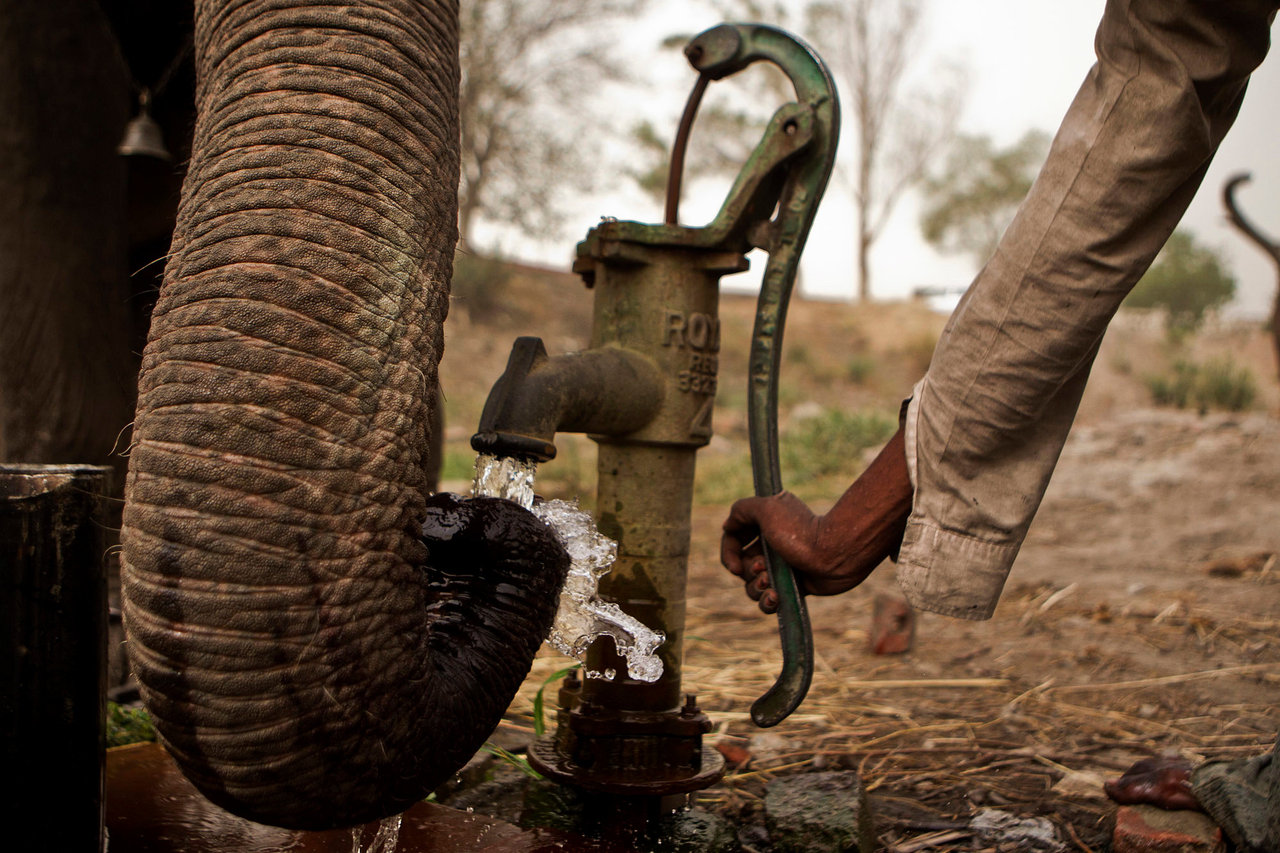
point(53, 617)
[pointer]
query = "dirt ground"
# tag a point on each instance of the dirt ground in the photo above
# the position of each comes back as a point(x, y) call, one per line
point(1142, 615)
point(1141, 618)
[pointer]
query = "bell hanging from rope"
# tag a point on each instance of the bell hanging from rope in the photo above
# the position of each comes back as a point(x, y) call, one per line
point(142, 136)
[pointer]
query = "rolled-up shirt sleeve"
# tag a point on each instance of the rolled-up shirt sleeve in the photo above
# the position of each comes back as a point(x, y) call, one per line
point(985, 426)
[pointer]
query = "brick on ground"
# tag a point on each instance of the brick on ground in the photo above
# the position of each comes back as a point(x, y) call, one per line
point(1147, 829)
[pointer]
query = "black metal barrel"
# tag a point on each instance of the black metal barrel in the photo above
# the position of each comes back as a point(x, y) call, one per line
point(53, 617)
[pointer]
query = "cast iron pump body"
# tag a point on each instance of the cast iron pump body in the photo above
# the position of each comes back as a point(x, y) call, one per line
point(644, 392)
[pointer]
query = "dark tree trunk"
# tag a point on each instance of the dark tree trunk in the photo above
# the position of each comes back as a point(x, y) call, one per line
point(66, 364)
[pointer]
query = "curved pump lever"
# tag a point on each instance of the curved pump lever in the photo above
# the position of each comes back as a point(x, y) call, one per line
point(717, 53)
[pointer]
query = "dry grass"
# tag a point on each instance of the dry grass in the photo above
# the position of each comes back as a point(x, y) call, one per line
point(932, 750)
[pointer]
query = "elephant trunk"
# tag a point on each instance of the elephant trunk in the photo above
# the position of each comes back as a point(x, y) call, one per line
point(308, 656)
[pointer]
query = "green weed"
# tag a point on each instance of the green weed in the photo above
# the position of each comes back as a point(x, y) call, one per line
point(539, 703)
point(832, 443)
point(128, 725)
point(723, 478)
point(859, 369)
point(1214, 384)
point(519, 762)
point(1223, 385)
point(800, 356)
point(828, 445)
point(459, 464)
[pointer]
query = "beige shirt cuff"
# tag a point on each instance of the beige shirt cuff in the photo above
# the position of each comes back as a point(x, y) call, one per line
point(945, 571)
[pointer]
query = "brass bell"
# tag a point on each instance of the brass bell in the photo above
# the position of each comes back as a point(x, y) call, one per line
point(142, 136)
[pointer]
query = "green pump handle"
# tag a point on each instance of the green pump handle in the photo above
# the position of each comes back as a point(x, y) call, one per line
point(717, 53)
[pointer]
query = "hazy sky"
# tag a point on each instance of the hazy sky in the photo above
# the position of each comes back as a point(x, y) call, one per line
point(1026, 59)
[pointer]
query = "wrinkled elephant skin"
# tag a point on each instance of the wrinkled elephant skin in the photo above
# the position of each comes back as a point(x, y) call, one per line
point(312, 658)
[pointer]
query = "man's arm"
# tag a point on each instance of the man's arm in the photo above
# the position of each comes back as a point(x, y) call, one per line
point(985, 426)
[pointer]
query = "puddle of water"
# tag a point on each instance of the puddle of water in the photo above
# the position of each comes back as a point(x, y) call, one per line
point(152, 808)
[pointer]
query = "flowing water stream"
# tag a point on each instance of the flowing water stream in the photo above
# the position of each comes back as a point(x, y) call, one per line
point(385, 838)
point(582, 616)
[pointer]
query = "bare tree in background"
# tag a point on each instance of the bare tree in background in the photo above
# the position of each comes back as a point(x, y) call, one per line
point(529, 69)
point(871, 46)
point(892, 129)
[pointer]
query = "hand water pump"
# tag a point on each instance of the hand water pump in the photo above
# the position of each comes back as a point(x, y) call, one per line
point(644, 392)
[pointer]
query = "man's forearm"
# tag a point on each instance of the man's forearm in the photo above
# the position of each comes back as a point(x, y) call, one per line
point(865, 525)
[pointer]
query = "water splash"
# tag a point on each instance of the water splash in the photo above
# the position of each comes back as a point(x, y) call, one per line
point(505, 477)
point(583, 616)
point(385, 838)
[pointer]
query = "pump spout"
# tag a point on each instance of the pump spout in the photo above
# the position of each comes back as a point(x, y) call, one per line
point(605, 391)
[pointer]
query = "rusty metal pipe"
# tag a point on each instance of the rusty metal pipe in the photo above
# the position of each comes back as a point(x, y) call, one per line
point(607, 391)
